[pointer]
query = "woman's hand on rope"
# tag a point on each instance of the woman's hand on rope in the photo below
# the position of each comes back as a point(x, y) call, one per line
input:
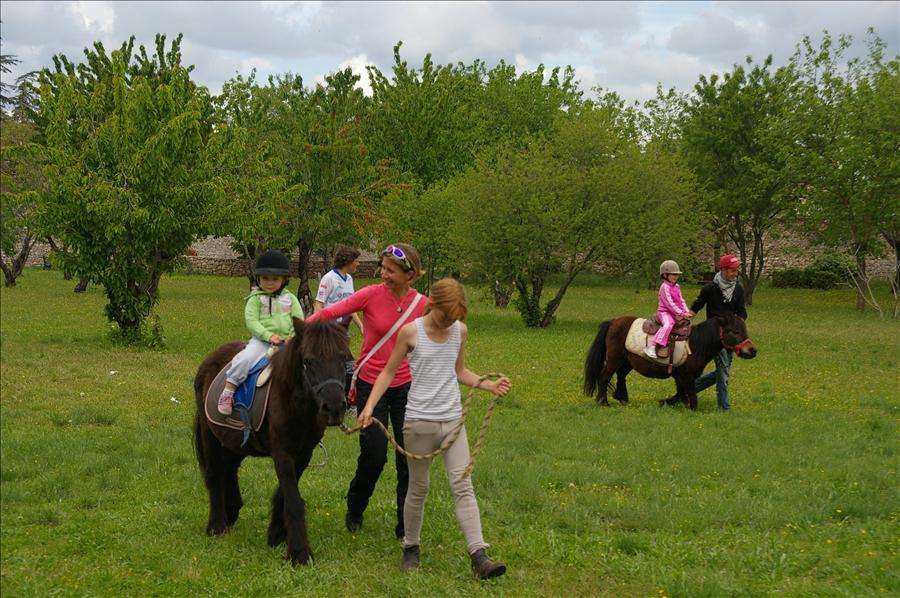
point(498, 387)
point(365, 418)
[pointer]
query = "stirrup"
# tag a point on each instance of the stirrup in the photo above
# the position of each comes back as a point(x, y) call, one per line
point(244, 415)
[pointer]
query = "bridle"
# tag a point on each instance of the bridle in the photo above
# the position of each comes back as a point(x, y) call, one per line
point(735, 348)
point(327, 382)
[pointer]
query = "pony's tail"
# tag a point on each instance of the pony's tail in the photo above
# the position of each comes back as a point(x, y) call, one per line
point(596, 358)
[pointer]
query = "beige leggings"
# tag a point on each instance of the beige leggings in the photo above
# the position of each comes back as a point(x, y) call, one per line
point(420, 437)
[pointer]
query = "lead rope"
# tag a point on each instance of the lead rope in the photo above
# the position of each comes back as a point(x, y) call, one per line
point(454, 434)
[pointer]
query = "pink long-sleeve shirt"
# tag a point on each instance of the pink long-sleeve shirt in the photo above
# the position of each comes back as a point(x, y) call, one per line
point(670, 299)
point(380, 310)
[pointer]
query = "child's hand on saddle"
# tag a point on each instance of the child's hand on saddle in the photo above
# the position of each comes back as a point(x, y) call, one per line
point(498, 387)
point(365, 418)
point(689, 314)
point(275, 339)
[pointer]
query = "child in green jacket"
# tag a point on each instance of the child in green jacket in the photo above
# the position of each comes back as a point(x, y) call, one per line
point(269, 313)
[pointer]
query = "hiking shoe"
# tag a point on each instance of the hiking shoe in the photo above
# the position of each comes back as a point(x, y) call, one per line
point(484, 567)
point(410, 560)
point(226, 403)
point(650, 351)
point(353, 522)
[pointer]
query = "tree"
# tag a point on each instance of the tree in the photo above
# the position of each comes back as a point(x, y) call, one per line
point(245, 159)
point(7, 61)
point(127, 193)
point(732, 142)
point(20, 181)
point(431, 122)
point(560, 204)
point(322, 187)
point(845, 128)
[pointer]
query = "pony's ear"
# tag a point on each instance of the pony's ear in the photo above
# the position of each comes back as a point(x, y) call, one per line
point(722, 321)
point(299, 326)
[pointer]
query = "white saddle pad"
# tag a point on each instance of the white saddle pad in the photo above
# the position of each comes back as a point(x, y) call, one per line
point(264, 376)
point(637, 340)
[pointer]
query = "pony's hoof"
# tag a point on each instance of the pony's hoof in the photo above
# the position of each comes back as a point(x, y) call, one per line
point(603, 403)
point(216, 529)
point(302, 557)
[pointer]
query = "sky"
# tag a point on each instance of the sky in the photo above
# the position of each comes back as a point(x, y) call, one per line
point(627, 47)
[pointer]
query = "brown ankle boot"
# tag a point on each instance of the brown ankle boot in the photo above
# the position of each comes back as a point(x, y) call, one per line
point(484, 567)
point(410, 558)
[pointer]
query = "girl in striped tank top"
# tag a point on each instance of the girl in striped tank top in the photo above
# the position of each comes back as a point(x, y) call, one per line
point(434, 346)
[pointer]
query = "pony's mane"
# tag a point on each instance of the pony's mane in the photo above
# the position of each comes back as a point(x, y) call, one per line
point(324, 339)
point(707, 333)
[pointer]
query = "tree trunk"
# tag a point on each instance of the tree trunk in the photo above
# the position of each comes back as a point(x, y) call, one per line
point(82, 285)
point(860, 282)
point(251, 251)
point(303, 294)
point(8, 275)
point(897, 263)
point(502, 294)
point(550, 310)
point(14, 269)
point(529, 302)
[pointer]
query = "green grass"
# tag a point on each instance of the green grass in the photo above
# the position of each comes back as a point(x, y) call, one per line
point(794, 492)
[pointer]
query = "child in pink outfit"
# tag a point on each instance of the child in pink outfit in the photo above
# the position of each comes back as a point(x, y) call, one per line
point(671, 306)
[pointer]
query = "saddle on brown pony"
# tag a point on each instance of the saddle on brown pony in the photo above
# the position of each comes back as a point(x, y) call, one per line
point(257, 409)
point(680, 332)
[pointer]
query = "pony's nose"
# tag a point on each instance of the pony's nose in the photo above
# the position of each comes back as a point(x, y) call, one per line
point(750, 352)
point(332, 412)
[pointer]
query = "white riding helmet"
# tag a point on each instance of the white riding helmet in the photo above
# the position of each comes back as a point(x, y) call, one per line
point(669, 267)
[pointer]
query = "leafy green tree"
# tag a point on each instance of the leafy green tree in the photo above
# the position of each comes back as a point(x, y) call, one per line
point(316, 185)
point(732, 142)
point(330, 157)
point(515, 107)
point(246, 160)
point(846, 147)
point(432, 121)
point(21, 179)
point(422, 120)
point(561, 204)
point(127, 192)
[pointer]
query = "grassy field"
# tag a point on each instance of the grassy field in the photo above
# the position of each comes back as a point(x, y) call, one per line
point(794, 492)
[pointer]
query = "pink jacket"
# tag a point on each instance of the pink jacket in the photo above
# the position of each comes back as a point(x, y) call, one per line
point(670, 300)
point(379, 307)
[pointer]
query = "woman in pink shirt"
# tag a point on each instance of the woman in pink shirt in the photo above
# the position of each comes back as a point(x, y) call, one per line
point(381, 305)
point(671, 306)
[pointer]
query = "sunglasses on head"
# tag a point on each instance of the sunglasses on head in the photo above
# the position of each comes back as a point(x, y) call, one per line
point(398, 255)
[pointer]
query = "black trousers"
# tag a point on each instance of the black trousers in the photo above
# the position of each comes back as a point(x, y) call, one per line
point(373, 448)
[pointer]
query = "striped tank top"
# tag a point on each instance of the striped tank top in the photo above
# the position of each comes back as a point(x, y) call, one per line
point(434, 393)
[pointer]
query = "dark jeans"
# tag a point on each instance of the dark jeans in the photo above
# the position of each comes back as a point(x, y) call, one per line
point(373, 449)
point(719, 377)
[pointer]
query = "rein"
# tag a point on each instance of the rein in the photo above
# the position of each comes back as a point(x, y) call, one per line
point(454, 434)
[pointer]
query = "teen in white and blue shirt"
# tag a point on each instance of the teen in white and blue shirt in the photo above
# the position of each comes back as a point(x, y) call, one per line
point(337, 284)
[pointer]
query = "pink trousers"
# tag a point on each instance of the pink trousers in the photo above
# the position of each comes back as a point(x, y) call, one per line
point(668, 322)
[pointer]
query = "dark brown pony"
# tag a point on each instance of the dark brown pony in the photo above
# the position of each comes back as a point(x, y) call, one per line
point(307, 394)
point(608, 356)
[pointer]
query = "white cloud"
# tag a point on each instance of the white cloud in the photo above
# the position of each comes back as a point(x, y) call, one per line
point(358, 65)
point(624, 46)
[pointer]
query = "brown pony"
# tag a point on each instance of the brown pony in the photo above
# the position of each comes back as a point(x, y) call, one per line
point(307, 394)
point(608, 356)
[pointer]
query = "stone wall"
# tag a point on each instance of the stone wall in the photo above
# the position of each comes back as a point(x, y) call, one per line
point(214, 255)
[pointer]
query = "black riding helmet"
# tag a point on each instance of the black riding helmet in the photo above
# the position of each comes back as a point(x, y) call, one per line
point(272, 263)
